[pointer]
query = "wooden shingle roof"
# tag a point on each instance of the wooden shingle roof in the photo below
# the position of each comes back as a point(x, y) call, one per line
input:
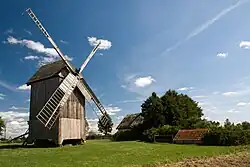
point(130, 121)
point(190, 134)
point(48, 71)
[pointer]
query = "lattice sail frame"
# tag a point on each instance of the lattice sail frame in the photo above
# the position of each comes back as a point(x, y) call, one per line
point(49, 113)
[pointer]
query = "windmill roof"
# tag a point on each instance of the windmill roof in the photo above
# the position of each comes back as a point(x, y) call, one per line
point(130, 120)
point(190, 134)
point(49, 70)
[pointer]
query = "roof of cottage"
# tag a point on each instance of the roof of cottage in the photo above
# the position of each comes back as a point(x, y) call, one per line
point(130, 121)
point(190, 134)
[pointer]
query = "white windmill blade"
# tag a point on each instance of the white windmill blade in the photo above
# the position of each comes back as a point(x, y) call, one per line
point(49, 113)
point(40, 26)
point(104, 120)
point(89, 57)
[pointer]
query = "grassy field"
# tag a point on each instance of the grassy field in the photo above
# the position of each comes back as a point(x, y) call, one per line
point(108, 154)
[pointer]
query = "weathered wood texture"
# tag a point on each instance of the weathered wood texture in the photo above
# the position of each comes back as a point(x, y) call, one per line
point(72, 115)
point(71, 122)
point(70, 129)
point(40, 93)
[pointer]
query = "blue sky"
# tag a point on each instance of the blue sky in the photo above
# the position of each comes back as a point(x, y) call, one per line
point(200, 48)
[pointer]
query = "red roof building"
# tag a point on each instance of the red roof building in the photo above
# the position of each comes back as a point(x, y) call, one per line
point(190, 136)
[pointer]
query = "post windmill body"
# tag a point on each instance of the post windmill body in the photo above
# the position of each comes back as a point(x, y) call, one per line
point(57, 99)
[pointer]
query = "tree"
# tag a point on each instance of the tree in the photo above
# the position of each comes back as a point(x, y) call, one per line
point(152, 111)
point(105, 129)
point(245, 125)
point(2, 126)
point(180, 110)
point(171, 109)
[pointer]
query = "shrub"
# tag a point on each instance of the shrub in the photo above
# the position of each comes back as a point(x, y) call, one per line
point(164, 130)
point(97, 136)
point(226, 137)
point(127, 135)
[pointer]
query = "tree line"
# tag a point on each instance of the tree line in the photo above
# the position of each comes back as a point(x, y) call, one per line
point(171, 112)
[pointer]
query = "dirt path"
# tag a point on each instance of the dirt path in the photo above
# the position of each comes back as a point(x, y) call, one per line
point(241, 159)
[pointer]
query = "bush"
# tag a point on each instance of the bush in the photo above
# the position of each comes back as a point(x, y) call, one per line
point(164, 130)
point(226, 137)
point(127, 135)
point(97, 137)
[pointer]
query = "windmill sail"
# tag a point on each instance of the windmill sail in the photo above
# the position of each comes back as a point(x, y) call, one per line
point(49, 113)
point(40, 26)
point(104, 120)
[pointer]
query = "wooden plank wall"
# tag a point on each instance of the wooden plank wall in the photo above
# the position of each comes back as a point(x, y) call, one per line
point(73, 107)
point(72, 115)
point(40, 93)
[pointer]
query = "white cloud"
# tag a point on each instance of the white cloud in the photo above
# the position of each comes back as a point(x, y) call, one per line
point(16, 122)
point(233, 111)
point(31, 57)
point(64, 42)
point(229, 93)
point(105, 44)
point(45, 60)
point(12, 40)
point(24, 87)
point(112, 110)
point(18, 108)
point(144, 81)
point(185, 89)
point(36, 46)
point(136, 84)
point(130, 101)
point(199, 97)
point(242, 104)
point(222, 55)
point(245, 44)
point(13, 108)
point(215, 93)
point(2, 96)
point(50, 53)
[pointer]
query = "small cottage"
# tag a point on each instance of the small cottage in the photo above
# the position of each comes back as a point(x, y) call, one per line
point(190, 136)
point(130, 121)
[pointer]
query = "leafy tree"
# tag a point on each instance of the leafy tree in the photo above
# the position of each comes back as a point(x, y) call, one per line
point(206, 124)
point(152, 111)
point(105, 129)
point(2, 126)
point(180, 110)
point(245, 125)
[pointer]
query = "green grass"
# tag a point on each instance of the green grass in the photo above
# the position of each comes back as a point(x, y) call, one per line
point(106, 153)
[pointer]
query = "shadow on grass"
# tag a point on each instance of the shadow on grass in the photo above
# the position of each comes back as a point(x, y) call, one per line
point(18, 146)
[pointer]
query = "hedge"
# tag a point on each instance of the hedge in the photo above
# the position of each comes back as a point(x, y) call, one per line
point(225, 137)
point(164, 130)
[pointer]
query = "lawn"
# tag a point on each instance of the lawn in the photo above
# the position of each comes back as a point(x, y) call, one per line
point(106, 153)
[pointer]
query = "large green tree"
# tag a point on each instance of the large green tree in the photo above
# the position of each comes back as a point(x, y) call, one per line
point(2, 126)
point(180, 110)
point(152, 111)
point(105, 129)
point(172, 109)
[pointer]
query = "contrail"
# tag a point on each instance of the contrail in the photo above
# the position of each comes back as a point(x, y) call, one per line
point(204, 26)
point(7, 86)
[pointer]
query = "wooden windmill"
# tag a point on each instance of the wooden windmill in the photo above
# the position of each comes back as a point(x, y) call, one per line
point(57, 100)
